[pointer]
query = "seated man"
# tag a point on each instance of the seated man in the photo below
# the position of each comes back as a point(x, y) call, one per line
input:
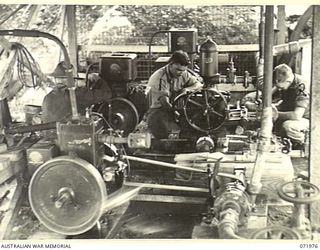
point(293, 113)
point(56, 105)
point(166, 83)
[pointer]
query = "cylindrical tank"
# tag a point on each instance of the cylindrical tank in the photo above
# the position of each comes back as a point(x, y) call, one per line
point(208, 59)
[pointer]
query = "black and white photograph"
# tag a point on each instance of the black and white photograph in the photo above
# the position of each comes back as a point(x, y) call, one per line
point(161, 122)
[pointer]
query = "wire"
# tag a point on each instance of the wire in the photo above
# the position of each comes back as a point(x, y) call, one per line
point(26, 60)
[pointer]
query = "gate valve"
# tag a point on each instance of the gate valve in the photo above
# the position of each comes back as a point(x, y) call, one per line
point(300, 193)
point(275, 232)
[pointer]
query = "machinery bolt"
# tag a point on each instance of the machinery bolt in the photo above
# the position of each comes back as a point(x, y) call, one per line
point(65, 194)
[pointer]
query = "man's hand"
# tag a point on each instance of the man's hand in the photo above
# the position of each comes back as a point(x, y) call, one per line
point(185, 91)
point(275, 113)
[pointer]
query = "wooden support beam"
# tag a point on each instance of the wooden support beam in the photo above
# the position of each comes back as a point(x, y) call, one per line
point(12, 210)
point(281, 25)
point(72, 36)
point(61, 30)
point(164, 49)
point(314, 159)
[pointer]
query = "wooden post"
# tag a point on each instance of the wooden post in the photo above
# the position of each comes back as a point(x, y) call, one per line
point(281, 25)
point(314, 159)
point(61, 30)
point(72, 36)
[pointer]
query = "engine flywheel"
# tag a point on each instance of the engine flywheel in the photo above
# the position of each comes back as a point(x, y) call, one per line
point(121, 114)
point(67, 195)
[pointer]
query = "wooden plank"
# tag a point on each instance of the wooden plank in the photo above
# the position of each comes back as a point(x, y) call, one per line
point(72, 36)
point(314, 159)
point(169, 199)
point(278, 169)
point(61, 31)
point(114, 219)
point(238, 87)
point(163, 49)
point(13, 208)
point(166, 187)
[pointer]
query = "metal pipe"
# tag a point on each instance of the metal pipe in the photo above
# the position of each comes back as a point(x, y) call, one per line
point(268, 58)
point(261, 33)
point(166, 187)
point(163, 164)
point(68, 71)
point(266, 121)
point(228, 224)
point(290, 48)
point(150, 43)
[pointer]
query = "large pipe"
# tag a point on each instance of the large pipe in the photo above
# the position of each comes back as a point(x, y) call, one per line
point(261, 33)
point(68, 70)
point(266, 121)
point(290, 48)
point(268, 58)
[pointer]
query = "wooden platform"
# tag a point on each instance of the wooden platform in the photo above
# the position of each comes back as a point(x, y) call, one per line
point(278, 168)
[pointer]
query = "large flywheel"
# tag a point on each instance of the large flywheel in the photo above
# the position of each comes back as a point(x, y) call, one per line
point(67, 195)
point(121, 114)
point(204, 110)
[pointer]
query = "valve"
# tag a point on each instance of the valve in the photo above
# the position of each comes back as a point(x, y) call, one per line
point(275, 232)
point(300, 193)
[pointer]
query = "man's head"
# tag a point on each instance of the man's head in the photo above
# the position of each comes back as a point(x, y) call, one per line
point(283, 76)
point(178, 63)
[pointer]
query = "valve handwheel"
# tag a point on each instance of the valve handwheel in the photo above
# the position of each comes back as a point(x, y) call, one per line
point(275, 232)
point(299, 192)
point(204, 110)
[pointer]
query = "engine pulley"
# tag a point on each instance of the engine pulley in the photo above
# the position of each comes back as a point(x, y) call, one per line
point(67, 195)
point(120, 113)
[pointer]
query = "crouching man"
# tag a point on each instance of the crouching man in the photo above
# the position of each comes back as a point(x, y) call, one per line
point(293, 112)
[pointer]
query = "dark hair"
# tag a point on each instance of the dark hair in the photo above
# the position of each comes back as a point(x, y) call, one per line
point(180, 57)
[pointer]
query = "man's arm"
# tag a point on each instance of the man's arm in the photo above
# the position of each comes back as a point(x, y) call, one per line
point(164, 100)
point(195, 86)
point(192, 82)
point(297, 114)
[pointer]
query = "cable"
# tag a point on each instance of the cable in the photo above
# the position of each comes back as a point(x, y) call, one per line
point(26, 60)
